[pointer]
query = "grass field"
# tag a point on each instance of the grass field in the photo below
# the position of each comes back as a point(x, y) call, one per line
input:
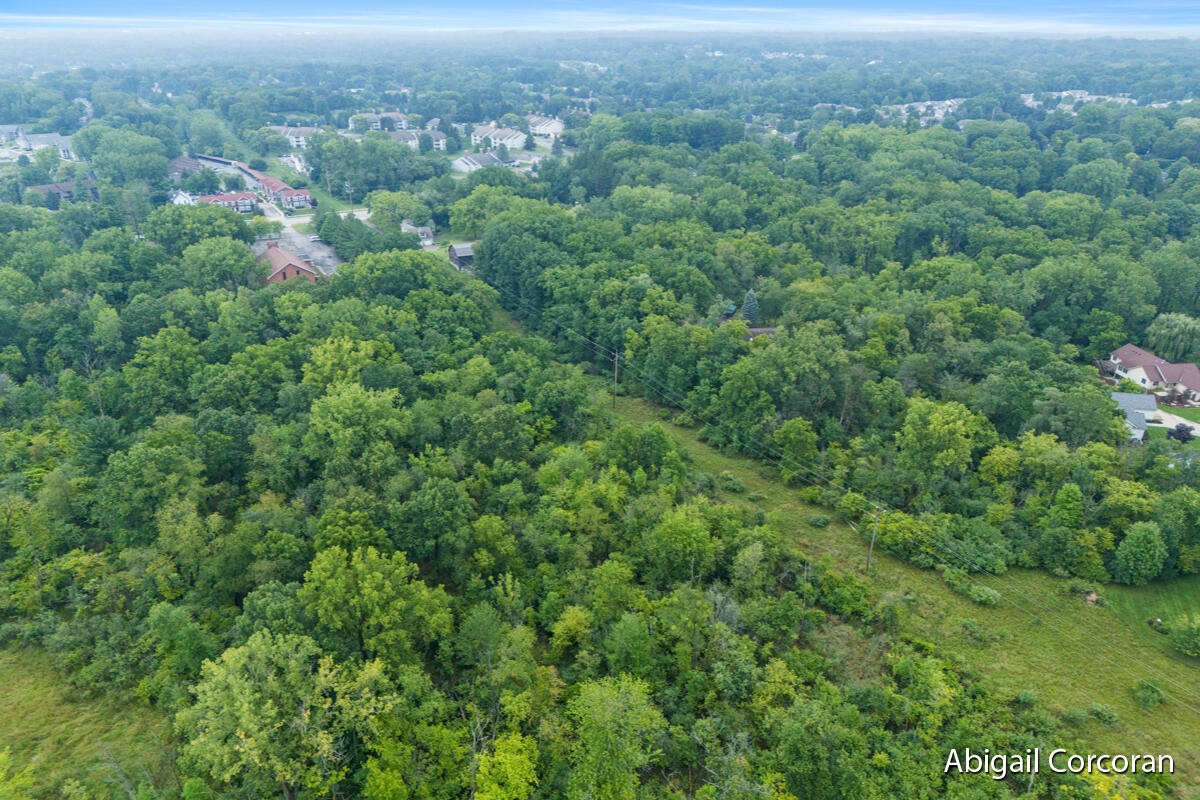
point(1190, 414)
point(1170, 600)
point(1040, 637)
point(103, 743)
point(324, 199)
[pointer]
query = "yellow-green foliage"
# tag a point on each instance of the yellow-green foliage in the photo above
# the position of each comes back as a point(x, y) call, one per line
point(105, 743)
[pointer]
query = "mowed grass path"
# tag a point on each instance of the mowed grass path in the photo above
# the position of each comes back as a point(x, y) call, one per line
point(101, 742)
point(1040, 638)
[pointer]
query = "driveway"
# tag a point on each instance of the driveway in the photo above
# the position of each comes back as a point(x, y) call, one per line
point(321, 254)
point(1171, 420)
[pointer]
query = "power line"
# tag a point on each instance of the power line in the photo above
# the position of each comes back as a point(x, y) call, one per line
point(762, 449)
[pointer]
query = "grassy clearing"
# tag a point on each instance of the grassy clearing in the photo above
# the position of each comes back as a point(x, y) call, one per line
point(1168, 600)
point(1039, 638)
point(325, 200)
point(103, 743)
point(504, 322)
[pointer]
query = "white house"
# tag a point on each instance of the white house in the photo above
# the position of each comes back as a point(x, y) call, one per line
point(1146, 369)
point(297, 135)
point(41, 141)
point(545, 126)
point(375, 122)
point(469, 162)
point(412, 138)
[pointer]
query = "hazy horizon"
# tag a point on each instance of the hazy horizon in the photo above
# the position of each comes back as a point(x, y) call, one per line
point(1070, 20)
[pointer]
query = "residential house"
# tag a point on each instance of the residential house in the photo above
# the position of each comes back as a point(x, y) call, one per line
point(376, 122)
point(545, 126)
point(462, 256)
point(511, 138)
point(242, 202)
point(1180, 381)
point(41, 141)
point(297, 135)
point(481, 132)
point(285, 266)
point(469, 162)
point(68, 191)
point(10, 133)
point(433, 124)
point(1138, 408)
point(179, 197)
point(494, 136)
point(296, 198)
point(412, 138)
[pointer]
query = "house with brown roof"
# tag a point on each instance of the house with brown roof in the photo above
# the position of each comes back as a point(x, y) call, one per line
point(1146, 369)
point(285, 265)
point(67, 191)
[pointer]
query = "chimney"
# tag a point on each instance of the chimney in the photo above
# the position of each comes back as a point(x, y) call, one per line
point(272, 244)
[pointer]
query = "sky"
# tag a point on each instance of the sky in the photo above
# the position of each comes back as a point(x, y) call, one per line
point(1103, 17)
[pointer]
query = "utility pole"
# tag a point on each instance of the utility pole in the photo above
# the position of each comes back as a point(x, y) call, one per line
point(874, 530)
point(614, 397)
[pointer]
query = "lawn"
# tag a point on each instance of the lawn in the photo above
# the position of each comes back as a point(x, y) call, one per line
point(1190, 414)
point(324, 199)
point(102, 742)
point(1040, 638)
point(1167, 600)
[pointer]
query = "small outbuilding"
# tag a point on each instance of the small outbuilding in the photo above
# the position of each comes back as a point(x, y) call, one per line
point(462, 256)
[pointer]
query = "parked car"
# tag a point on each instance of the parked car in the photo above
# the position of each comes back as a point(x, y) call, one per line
point(314, 238)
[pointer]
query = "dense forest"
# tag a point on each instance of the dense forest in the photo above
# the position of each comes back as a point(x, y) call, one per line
point(381, 536)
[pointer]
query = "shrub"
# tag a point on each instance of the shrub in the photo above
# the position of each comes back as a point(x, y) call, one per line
point(1149, 694)
point(754, 496)
point(730, 483)
point(1026, 698)
point(818, 521)
point(984, 595)
point(955, 578)
point(811, 494)
point(1075, 717)
point(976, 633)
point(1185, 633)
point(1104, 713)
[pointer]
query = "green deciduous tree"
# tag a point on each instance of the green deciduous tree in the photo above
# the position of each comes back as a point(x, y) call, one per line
point(267, 719)
point(370, 605)
point(616, 725)
point(1141, 554)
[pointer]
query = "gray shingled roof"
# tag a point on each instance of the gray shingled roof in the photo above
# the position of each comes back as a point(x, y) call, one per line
point(1128, 401)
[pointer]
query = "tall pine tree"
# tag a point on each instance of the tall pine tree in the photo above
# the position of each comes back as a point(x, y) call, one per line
point(750, 307)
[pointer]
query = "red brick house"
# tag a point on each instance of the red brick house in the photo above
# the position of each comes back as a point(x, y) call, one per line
point(285, 265)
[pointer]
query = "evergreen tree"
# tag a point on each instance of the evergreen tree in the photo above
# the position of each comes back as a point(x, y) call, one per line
point(529, 143)
point(556, 149)
point(750, 307)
